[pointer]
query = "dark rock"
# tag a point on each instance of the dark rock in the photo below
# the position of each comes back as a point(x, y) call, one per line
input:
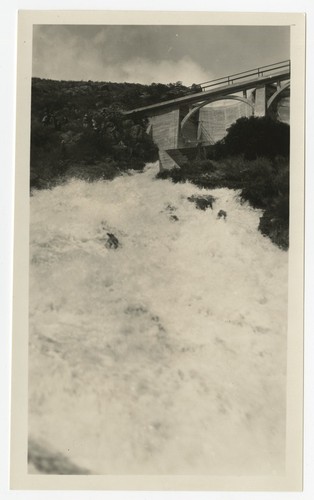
point(222, 214)
point(112, 241)
point(174, 218)
point(170, 208)
point(202, 202)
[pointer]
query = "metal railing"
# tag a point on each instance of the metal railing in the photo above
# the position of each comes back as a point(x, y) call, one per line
point(281, 67)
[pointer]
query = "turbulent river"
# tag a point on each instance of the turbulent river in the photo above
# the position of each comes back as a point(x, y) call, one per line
point(166, 355)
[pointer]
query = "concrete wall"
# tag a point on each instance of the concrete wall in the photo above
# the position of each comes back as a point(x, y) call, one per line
point(283, 110)
point(165, 129)
point(216, 119)
point(165, 134)
point(280, 108)
point(165, 161)
point(190, 133)
point(260, 102)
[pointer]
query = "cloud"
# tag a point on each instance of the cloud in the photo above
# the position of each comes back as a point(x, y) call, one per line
point(164, 71)
point(61, 55)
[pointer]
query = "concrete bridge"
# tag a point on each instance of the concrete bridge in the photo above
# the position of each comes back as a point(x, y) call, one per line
point(180, 126)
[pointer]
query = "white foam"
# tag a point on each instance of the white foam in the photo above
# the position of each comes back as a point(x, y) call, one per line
point(168, 354)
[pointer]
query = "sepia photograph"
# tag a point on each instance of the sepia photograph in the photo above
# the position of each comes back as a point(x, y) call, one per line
point(160, 182)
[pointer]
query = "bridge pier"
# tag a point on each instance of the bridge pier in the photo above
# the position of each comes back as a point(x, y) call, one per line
point(260, 101)
point(165, 133)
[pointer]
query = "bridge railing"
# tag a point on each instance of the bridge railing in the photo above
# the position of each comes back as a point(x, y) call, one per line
point(269, 70)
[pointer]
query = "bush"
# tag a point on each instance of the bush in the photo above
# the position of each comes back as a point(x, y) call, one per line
point(254, 137)
point(258, 182)
point(275, 221)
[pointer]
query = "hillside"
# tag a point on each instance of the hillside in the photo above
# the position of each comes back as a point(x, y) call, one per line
point(77, 129)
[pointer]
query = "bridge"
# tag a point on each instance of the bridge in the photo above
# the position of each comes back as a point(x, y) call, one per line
point(180, 126)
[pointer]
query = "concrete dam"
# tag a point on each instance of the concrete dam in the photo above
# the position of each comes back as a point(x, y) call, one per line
point(180, 126)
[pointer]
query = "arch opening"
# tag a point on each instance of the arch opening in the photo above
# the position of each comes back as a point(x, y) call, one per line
point(204, 125)
point(275, 96)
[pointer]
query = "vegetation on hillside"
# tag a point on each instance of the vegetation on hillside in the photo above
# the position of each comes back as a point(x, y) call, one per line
point(254, 158)
point(78, 129)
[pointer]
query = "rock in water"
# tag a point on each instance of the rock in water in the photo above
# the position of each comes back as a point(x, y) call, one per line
point(202, 202)
point(222, 214)
point(174, 218)
point(112, 241)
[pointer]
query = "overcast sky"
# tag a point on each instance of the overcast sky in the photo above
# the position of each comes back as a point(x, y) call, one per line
point(146, 54)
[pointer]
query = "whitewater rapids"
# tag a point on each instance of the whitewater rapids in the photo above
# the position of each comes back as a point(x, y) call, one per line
point(166, 355)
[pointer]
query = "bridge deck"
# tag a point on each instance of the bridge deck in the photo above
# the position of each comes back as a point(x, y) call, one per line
point(270, 69)
point(213, 93)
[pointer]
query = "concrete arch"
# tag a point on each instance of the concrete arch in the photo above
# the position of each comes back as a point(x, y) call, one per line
point(276, 94)
point(209, 101)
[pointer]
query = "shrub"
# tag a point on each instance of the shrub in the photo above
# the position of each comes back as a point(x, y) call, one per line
point(254, 137)
point(258, 182)
point(274, 222)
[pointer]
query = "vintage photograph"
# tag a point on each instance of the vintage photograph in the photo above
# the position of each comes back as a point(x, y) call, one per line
point(159, 207)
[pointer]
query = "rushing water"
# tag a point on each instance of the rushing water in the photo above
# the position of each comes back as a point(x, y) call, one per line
point(166, 355)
